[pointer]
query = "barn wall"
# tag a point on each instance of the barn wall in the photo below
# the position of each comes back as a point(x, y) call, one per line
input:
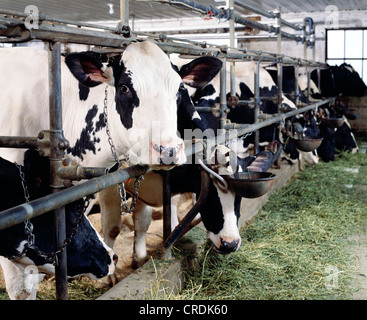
point(192, 27)
point(358, 104)
point(342, 19)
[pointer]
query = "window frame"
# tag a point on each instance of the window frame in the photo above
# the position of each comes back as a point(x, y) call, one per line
point(344, 58)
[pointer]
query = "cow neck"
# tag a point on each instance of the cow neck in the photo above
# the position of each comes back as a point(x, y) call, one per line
point(124, 208)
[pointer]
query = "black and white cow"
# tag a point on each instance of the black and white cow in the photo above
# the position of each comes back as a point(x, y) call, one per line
point(87, 254)
point(220, 211)
point(340, 80)
point(139, 88)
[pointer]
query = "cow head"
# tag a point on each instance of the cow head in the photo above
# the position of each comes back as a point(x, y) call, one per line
point(86, 254)
point(221, 211)
point(141, 99)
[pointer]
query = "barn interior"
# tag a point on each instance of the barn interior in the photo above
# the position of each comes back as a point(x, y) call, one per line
point(314, 34)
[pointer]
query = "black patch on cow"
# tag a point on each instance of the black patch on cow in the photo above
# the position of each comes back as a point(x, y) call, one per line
point(87, 140)
point(83, 92)
point(126, 98)
point(100, 123)
point(85, 253)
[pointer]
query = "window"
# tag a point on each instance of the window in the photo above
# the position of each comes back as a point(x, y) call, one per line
point(349, 46)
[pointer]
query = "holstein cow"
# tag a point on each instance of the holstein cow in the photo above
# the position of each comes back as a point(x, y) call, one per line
point(138, 90)
point(220, 211)
point(341, 138)
point(336, 81)
point(86, 253)
point(340, 80)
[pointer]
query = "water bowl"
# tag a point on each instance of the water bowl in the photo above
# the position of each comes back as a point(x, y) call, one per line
point(251, 184)
point(307, 144)
point(334, 122)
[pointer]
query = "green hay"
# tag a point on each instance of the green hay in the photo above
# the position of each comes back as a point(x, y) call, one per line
point(289, 248)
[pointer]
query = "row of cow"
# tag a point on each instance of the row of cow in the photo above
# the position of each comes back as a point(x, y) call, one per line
point(139, 88)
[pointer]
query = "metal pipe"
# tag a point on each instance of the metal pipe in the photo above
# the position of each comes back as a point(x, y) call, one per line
point(223, 95)
point(223, 138)
point(124, 12)
point(56, 156)
point(185, 222)
point(18, 214)
point(296, 85)
point(166, 211)
point(280, 84)
point(232, 45)
point(257, 104)
point(60, 33)
point(18, 142)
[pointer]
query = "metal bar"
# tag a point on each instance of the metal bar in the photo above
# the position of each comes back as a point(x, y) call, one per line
point(124, 12)
point(223, 95)
point(56, 156)
point(166, 211)
point(232, 45)
point(18, 214)
point(280, 85)
point(185, 222)
point(257, 104)
point(242, 130)
point(205, 9)
point(18, 142)
point(63, 33)
point(296, 85)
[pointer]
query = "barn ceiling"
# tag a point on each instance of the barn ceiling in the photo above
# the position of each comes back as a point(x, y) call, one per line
point(99, 10)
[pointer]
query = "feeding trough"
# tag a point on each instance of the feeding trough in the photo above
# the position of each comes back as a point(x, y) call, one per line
point(307, 144)
point(334, 122)
point(251, 184)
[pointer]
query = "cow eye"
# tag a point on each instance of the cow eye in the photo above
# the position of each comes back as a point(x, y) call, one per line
point(124, 89)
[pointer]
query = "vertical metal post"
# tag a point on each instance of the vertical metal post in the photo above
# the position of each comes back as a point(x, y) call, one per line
point(124, 12)
point(257, 104)
point(308, 81)
point(280, 83)
point(223, 94)
point(232, 45)
point(279, 26)
point(304, 40)
point(58, 144)
point(296, 86)
point(166, 212)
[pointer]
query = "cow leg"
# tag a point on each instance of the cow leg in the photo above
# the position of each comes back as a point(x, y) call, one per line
point(110, 202)
point(20, 284)
point(142, 217)
point(174, 214)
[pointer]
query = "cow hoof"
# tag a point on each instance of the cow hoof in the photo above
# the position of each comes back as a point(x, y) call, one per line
point(135, 264)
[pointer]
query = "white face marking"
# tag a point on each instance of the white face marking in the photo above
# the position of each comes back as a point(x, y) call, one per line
point(230, 227)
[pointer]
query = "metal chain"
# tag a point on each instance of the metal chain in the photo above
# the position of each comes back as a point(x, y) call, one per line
point(28, 226)
point(124, 208)
point(28, 229)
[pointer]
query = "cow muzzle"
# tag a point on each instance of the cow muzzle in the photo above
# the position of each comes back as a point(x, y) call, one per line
point(227, 245)
point(165, 155)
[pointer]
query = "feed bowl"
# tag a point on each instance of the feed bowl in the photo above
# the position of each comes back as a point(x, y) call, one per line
point(251, 184)
point(334, 122)
point(307, 144)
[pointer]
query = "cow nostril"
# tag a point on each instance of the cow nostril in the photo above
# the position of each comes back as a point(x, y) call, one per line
point(228, 247)
point(115, 259)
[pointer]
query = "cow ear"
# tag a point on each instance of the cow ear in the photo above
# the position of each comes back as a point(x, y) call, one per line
point(200, 71)
point(87, 69)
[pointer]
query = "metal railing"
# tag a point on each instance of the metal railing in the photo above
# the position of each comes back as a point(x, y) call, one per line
point(52, 142)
